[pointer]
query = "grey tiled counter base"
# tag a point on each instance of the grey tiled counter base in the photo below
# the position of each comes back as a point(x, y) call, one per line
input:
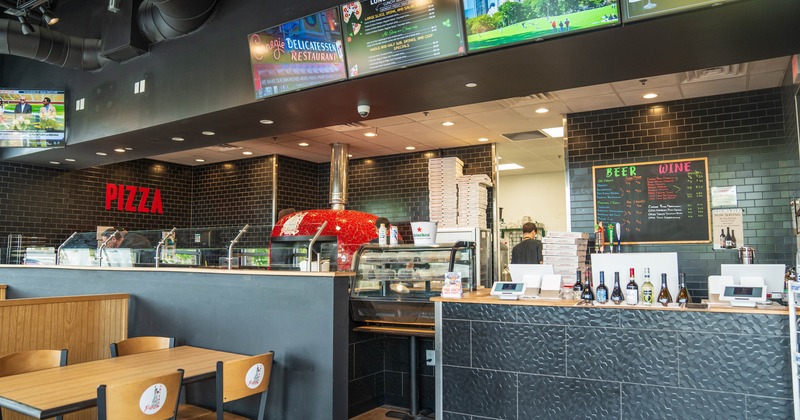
point(544, 362)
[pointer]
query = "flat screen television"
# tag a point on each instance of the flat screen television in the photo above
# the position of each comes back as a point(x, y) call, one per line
point(494, 23)
point(389, 35)
point(645, 9)
point(298, 54)
point(33, 118)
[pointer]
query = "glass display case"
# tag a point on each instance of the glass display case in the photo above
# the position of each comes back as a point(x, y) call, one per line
point(394, 284)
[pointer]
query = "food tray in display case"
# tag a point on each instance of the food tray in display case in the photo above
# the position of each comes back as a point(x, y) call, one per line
point(394, 284)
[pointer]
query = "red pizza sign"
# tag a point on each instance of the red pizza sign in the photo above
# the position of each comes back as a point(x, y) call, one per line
point(133, 199)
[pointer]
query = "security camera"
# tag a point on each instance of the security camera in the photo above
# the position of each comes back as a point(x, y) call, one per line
point(363, 110)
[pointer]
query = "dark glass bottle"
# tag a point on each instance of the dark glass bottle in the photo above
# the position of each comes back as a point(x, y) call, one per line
point(664, 296)
point(733, 239)
point(728, 239)
point(722, 238)
point(632, 291)
point(601, 294)
point(577, 289)
point(616, 292)
point(587, 294)
point(683, 294)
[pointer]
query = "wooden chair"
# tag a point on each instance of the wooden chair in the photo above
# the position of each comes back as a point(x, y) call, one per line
point(154, 398)
point(239, 379)
point(29, 361)
point(135, 345)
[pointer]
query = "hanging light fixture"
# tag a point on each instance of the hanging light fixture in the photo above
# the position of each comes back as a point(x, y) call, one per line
point(48, 16)
point(27, 29)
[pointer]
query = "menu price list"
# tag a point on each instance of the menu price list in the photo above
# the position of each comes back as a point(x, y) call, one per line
point(383, 35)
point(654, 202)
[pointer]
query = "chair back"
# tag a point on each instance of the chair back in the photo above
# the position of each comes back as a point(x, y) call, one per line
point(32, 360)
point(154, 398)
point(241, 378)
point(136, 345)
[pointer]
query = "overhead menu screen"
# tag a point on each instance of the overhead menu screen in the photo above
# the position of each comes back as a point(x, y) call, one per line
point(655, 202)
point(382, 35)
point(489, 25)
point(643, 9)
point(298, 54)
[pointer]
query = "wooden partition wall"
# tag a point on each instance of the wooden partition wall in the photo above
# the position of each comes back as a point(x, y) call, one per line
point(85, 325)
point(3, 291)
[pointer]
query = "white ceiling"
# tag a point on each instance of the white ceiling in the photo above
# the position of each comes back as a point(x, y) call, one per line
point(490, 120)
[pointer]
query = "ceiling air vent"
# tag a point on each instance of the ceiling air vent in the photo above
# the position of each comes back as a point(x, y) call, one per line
point(536, 98)
point(715, 73)
point(223, 147)
point(525, 135)
point(349, 127)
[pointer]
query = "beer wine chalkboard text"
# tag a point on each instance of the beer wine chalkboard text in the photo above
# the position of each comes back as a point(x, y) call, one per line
point(654, 202)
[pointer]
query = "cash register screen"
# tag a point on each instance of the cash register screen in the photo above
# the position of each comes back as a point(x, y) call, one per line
point(743, 291)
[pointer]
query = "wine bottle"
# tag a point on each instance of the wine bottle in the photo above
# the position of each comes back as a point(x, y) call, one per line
point(577, 289)
point(728, 239)
point(647, 288)
point(664, 296)
point(632, 291)
point(587, 294)
point(616, 292)
point(722, 238)
point(683, 294)
point(733, 239)
point(602, 291)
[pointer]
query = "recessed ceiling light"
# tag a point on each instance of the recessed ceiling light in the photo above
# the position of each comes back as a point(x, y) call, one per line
point(482, 139)
point(129, 148)
point(554, 131)
point(247, 153)
point(208, 133)
point(177, 139)
point(650, 95)
point(542, 110)
point(370, 134)
point(302, 144)
point(119, 150)
point(471, 85)
point(199, 160)
point(267, 122)
point(410, 148)
point(349, 156)
point(69, 159)
point(448, 123)
point(101, 153)
point(509, 166)
point(55, 163)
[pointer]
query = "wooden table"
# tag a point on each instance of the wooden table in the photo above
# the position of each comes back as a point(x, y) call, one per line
point(51, 392)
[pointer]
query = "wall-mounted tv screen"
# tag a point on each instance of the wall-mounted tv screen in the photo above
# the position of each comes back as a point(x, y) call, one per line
point(495, 23)
point(32, 118)
point(299, 54)
point(383, 35)
point(644, 9)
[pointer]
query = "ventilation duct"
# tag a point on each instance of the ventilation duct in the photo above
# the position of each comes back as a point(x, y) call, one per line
point(338, 176)
point(50, 47)
point(160, 20)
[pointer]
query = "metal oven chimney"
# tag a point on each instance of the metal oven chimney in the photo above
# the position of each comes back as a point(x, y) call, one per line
point(338, 181)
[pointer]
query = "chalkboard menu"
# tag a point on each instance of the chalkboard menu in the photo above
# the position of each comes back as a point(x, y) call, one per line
point(382, 35)
point(654, 202)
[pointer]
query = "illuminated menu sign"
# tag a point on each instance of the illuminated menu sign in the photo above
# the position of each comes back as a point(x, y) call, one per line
point(642, 9)
point(298, 54)
point(382, 35)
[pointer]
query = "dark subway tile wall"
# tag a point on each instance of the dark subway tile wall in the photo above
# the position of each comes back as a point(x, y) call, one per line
point(642, 363)
point(298, 184)
point(745, 138)
point(50, 203)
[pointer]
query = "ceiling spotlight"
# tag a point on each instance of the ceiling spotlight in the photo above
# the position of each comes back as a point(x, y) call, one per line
point(542, 110)
point(302, 144)
point(448, 123)
point(119, 150)
point(101, 153)
point(471, 85)
point(48, 16)
point(27, 29)
point(372, 133)
point(247, 153)
point(650, 95)
point(267, 122)
point(199, 160)
point(177, 139)
point(208, 133)
point(410, 148)
point(69, 160)
point(483, 139)
point(53, 162)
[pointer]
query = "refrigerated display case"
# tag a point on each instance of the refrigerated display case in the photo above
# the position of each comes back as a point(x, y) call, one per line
point(394, 284)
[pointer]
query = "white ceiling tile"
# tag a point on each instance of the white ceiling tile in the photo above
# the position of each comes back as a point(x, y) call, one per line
point(765, 80)
point(591, 103)
point(769, 65)
point(665, 93)
point(584, 91)
point(714, 87)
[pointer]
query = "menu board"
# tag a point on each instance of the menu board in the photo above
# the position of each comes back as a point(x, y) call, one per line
point(654, 202)
point(382, 35)
point(642, 9)
point(298, 54)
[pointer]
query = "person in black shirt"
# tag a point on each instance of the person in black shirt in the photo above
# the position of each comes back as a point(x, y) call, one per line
point(529, 251)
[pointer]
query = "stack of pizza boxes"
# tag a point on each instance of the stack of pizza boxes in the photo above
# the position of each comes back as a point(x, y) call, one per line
point(566, 252)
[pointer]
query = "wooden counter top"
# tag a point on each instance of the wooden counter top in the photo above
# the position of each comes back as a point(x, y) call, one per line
point(483, 297)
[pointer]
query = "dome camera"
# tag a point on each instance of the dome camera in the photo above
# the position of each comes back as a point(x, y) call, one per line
point(363, 111)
